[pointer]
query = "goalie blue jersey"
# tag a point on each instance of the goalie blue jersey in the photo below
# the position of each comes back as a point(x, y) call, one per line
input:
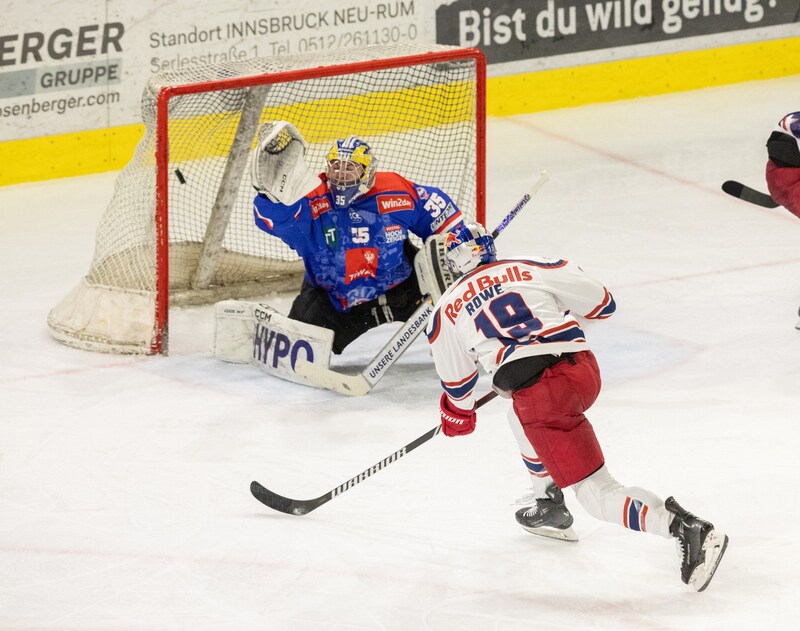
point(356, 254)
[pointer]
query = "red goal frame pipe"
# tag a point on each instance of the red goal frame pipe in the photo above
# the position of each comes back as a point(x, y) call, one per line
point(160, 338)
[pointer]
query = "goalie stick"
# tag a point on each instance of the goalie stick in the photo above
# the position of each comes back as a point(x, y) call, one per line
point(745, 193)
point(361, 383)
point(302, 507)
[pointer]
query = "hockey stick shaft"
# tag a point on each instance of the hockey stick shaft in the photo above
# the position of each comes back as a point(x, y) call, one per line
point(543, 177)
point(747, 194)
point(396, 346)
point(361, 383)
point(302, 507)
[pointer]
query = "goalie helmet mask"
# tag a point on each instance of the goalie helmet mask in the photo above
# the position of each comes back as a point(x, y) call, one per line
point(468, 247)
point(350, 168)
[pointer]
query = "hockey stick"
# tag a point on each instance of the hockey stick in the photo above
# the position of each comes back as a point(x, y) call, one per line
point(302, 507)
point(543, 177)
point(745, 193)
point(361, 383)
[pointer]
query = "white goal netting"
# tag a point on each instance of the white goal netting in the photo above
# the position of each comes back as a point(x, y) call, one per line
point(179, 228)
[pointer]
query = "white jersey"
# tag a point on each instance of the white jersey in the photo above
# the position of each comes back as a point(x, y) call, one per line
point(508, 310)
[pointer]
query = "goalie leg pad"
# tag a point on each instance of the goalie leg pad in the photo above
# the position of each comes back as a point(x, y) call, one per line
point(279, 343)
point(234, 322)
point(255, 333)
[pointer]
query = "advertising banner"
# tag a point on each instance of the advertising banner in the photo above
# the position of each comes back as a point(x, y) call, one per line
point(72, 66)
point(518, 30)
point(68, 67)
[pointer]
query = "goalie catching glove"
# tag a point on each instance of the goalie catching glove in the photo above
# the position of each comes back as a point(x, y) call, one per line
point(455, 421)
point(278, 168)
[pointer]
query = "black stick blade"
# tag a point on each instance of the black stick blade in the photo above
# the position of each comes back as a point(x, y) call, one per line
point(747, 194)
point(279, 502)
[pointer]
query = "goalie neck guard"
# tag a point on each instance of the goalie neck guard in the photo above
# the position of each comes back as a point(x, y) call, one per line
point(350, 168)
point(468, 247)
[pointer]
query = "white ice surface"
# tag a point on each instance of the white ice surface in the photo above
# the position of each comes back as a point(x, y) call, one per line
point(124, 501)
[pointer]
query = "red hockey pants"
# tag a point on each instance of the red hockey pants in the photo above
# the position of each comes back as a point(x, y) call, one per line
point(551, 413)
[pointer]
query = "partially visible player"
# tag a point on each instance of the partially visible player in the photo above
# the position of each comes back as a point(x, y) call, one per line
point(351, 225)
point(516, 318)
point(783, 166)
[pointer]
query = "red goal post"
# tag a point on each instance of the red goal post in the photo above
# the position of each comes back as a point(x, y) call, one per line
point(179, 229)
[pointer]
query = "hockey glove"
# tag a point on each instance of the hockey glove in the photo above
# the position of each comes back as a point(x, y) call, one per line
point(277, 166)
point(455, 421)
point(784, 150)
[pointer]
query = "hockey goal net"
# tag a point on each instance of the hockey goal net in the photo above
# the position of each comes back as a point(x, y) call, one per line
point(179, 228)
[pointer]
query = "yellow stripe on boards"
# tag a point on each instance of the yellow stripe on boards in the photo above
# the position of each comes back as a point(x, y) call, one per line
point(325, 120)
point(66, 155)
point(646, 76)
point(110, 149)
point(95, 151)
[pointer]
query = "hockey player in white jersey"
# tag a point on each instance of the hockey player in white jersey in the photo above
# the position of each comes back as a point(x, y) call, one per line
point(516, 318)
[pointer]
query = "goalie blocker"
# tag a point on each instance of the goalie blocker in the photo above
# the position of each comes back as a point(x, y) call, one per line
point(433, 274)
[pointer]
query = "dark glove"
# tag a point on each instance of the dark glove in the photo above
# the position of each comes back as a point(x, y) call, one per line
point(455, 421)
point(783, 150)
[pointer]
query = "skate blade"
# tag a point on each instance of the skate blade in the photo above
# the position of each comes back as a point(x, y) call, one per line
point(567, 534)
point(715, 545)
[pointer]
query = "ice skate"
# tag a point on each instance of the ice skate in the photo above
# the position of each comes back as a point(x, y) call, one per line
point(701, 546)
point(548, 517)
